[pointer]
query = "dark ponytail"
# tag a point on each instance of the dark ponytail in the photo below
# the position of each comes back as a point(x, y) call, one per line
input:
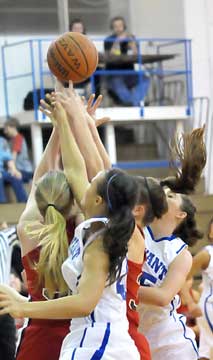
point(190, 153)
point(188, 230)
point(152, 195)
point(120, 191)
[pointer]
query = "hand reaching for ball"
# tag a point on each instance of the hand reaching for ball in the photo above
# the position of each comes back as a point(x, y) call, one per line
point(68, 95)
point(91, 108)
point(53, 109)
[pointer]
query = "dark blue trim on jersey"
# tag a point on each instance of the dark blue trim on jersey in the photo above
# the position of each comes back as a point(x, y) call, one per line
point(83, 337)
point(205, 308)
point(99, 353)
point(184, 334)
point(81, 343)
point(168, 238)
point(73, 354)
point(93, 317)
point(173, 307)
point(182, 247)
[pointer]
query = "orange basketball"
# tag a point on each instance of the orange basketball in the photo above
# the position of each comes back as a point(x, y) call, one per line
point(72, 56)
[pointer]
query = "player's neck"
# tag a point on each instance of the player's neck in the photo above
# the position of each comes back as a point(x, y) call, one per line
point(162, 229)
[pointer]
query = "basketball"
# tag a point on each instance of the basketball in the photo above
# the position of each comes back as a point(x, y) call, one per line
point(72, 56)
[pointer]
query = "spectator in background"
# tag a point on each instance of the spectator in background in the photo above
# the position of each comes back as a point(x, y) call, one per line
point(19, 149)
point(127, 88)
point(77, 25)
point(10, 174)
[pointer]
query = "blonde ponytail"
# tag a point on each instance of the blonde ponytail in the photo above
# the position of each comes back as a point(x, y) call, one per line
point(53, 197)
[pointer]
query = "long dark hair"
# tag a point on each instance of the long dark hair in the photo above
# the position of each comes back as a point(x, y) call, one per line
point(152, 195)
point(190, 152)
point(119, 190)
point(187, 230)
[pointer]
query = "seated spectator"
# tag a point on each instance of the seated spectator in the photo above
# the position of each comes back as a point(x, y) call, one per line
point(77, 25)
point(19, 149)
point(9, 174)
point(127, 88)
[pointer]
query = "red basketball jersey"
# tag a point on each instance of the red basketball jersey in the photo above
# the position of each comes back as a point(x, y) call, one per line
point(41, 339)
point(133, 284)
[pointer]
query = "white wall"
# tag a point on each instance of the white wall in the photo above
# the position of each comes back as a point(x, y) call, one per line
point(18, 61)
point(157, 18)
point(197, 28)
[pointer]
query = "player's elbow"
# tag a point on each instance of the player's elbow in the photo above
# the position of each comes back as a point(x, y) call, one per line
point(86, 309)
point(163, 299)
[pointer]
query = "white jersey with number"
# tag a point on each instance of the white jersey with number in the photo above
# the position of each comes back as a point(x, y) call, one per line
point(104, 333)
point(206, 300)
point(164, 328)
point(206, 304)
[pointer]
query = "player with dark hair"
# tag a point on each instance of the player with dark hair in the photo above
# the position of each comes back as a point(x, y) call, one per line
point(107, 204)
point(168, 261)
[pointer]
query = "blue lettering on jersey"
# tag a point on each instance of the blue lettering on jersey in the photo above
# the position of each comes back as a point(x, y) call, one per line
point(156, 264)
point(147, 279)
point(120, 288)
point(75, 248)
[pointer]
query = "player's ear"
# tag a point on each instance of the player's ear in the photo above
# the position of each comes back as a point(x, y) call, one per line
point(181, 215)
point(98, 200)
point(138, 211)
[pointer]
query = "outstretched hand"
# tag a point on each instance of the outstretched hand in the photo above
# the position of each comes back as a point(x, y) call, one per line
point(47, 107)
point(53, 109)
point(70, 100)
point(91, 108)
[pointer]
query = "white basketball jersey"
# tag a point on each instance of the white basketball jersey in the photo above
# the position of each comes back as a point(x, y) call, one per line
point(112, 305)
point(206, 300)
point(160, 253)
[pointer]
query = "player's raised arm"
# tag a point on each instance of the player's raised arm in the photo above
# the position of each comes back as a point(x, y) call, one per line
point(77, 117)
point(93, 123)
point(73, 161)
point(31, 212)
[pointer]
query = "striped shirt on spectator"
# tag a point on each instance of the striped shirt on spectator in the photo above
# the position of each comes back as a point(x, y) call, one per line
point(7, 239)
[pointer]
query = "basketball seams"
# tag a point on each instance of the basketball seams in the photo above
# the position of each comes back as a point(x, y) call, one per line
point(67, 63)
point(72, 56)
point(76, 43)
point(51, 59)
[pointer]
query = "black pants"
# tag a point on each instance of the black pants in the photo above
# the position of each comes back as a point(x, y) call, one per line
point(7, 338)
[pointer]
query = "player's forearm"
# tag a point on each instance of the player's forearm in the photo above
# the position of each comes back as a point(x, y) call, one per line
point(64, 308)
point(73, 162)
point(71, 154)
point(101, 149)
point(86, 144)
point(154, 296)
point(47, 161)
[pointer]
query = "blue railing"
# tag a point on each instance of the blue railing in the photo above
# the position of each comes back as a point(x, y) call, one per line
point(37, 75)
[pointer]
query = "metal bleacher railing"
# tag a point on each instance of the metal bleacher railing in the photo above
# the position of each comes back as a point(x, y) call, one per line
point(37, 49)
point(175, 52)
